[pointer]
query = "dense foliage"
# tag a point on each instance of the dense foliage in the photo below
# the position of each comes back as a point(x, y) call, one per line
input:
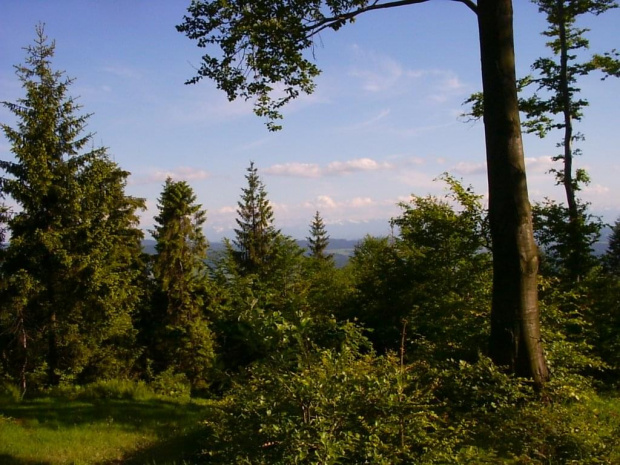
point(178, 335)
point(71, 268)
point(383, 361)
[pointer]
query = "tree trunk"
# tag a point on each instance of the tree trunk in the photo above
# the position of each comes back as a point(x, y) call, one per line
point(567, 176)
point(575, 259)
point(53, 378)
point(515, 341)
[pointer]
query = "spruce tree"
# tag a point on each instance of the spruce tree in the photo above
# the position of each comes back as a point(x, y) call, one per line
point(611, 259)
point(4, 217)
point(184, 341)
point(318, 241)
point(108, 282)
point(254, 239)
point(74, 249)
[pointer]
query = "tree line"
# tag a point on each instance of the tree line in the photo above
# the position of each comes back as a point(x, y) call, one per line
point(383, 361)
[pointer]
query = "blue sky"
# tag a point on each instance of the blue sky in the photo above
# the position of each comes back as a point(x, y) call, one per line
point(382, 124)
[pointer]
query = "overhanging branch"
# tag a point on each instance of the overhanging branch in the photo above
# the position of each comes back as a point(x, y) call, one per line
point(334, 21)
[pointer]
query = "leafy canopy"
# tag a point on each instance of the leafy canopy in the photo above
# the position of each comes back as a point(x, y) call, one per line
point(259, 50)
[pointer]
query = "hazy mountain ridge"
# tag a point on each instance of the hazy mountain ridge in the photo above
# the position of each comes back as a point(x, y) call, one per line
point(341, 249)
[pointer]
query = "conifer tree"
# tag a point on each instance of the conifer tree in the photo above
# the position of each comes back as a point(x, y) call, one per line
point(4, 217)
point(183, 337)
point(107, 244)
point(611, 259)
point(558, 105)
point(318, 241)
point(256, 234)
point(559, 78)
point(561, 106)
point(74, 249)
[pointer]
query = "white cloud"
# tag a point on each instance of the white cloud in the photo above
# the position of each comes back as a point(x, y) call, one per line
point(313, 170)
point(125, 72)
point(304, 170)
point(445, 85)
point(466, 168)
point(226, 210)
point(359, 164)
point(325, 202)
point(205, 105)
point(361, 202)
point(538, 164)
point(254, 144)
point(380, 72)
point(181, 173)
point(596, 189)
point(370, 122)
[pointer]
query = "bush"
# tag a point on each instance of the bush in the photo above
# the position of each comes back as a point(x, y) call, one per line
point(171, 384)
point(347, 406)
point(10, 391)
point(116, 389)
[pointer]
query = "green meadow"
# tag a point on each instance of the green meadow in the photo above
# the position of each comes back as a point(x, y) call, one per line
point(61, 430)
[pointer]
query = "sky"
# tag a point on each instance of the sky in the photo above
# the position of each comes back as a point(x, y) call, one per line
point(383, 123)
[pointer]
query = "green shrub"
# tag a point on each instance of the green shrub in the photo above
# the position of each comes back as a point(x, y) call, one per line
point(352, 406)
point(171, 384)
point(116, 389)
point(10, 391)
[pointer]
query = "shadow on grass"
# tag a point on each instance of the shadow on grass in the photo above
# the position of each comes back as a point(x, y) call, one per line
point(10, 460)
point(175, 425)
point(162, 417)
point(177, 450)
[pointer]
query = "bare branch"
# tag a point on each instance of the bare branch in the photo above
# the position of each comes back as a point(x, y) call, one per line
point(331, 22)
point(469, 4)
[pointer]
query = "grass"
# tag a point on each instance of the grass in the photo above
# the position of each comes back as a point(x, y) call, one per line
point(54, 431)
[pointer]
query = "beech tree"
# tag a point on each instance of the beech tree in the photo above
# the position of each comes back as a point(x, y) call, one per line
point(250, 47)
point(73, 258)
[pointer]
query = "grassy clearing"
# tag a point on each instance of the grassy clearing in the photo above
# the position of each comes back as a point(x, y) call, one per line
point(164, 431)
point(54, 431)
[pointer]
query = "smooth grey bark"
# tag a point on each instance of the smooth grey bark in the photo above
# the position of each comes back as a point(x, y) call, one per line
point(515, 341)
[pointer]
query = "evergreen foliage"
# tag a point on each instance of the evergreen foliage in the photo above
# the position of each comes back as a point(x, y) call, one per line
point(564, 252)
point(184, 342)
point(318, 241)
point(4, 218)
point(73, 259)
point(611, 260)
point(254, 239)
point(383, 361)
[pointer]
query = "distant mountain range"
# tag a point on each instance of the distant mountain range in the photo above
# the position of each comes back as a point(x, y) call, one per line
point(341, 249)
